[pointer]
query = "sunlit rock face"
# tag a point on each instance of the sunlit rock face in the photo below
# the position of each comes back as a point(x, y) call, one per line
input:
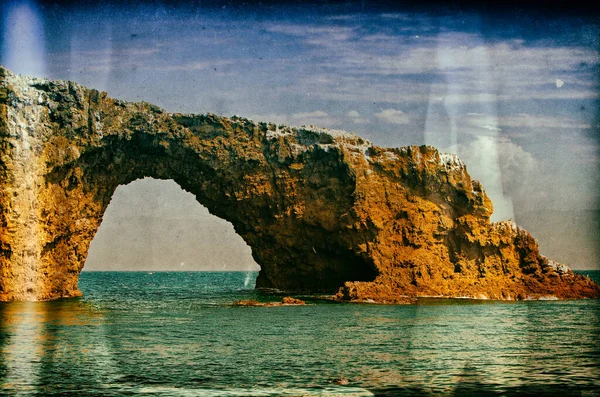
point(323, 211)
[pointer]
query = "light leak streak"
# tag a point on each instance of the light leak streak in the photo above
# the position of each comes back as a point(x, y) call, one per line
point(443, 131)
point(23, 39)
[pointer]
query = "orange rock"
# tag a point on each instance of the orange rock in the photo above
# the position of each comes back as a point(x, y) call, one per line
point(248, 302)
point(288, 300)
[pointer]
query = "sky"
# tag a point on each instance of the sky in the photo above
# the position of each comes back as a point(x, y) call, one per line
point(514, 92)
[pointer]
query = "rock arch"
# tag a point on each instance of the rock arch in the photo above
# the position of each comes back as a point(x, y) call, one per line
point(79, 145)
point(320, 209)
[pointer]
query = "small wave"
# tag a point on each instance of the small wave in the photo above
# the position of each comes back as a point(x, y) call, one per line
point(259, 392)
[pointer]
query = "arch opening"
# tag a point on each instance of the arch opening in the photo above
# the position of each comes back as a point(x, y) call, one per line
point(154, 225)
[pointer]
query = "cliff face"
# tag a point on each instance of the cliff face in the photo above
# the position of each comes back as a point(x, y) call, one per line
point(323, 211)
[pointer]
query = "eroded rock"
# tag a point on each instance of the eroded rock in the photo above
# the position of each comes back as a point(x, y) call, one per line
point(322, 210)
point(286, 301)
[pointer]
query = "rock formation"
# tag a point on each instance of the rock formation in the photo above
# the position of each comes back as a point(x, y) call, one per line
point(285, 301)
point(323, 211)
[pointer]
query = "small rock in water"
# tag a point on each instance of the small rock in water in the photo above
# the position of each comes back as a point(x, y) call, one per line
point(288, 300)
point(342, 380)
point(248, 302)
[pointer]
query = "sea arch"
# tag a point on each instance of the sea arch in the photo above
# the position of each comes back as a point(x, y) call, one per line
point(320, 209)
point(82, 145)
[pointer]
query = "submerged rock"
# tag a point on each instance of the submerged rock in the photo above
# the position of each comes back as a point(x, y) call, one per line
point(286, 301)
point(323, 211)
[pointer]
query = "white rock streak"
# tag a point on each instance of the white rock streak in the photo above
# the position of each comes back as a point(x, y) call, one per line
point(23, 218)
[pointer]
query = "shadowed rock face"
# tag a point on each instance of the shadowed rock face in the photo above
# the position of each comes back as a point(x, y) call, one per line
point(323, 211)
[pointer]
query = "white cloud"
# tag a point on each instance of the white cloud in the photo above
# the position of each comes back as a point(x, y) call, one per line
point(472, 70)
point(521, 120)
point(393, 116)
point(537, 121)
point(271, 118)
point(398, 16)
point(347, 63)
point(317, 118)
point(313, 34)
point(348, 17)
point(504, 168)
point(356, 118)
point(482, 121)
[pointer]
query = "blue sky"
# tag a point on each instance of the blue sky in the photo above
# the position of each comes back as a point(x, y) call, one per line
point(515, 94)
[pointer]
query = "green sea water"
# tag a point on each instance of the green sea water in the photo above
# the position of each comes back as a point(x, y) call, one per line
point(177, 334)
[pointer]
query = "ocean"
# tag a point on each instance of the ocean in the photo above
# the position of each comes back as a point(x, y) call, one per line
point(178, 334)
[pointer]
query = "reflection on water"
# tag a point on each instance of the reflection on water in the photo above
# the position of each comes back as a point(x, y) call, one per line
point(22, 348)
point(53, 346)
point(177, 334)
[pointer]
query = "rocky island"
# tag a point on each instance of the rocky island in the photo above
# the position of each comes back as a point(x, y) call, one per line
point(323, 211)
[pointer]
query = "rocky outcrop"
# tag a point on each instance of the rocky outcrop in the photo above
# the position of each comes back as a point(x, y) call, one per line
point(322, 210)
point(285, 301)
